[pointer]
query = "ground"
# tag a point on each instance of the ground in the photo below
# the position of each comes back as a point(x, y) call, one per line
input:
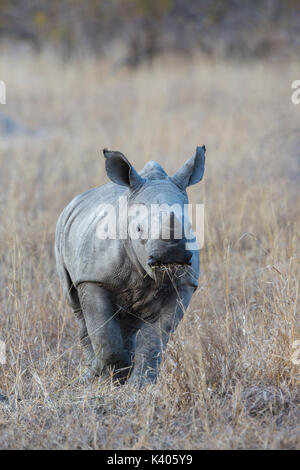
point(230, 374)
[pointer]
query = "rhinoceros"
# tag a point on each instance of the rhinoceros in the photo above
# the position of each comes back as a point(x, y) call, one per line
point(129, 292)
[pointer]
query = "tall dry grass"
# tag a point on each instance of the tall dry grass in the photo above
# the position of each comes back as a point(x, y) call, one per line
point(227, 379)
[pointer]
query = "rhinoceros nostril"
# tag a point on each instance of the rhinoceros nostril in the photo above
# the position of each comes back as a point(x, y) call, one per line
point(151, 260)
point(189, 255)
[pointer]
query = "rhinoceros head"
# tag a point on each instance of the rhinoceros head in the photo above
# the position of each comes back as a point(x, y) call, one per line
point(156, 216)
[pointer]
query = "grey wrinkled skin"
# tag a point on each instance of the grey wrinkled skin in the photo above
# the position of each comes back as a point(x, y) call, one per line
point(126, 309)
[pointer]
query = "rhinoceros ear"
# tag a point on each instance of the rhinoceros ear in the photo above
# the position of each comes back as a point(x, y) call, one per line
point(120, 171)
point(192, 170)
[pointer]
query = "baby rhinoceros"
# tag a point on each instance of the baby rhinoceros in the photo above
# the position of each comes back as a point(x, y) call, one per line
point(125, 264)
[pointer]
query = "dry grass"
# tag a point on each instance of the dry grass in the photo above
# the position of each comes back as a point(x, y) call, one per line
point(227, 379)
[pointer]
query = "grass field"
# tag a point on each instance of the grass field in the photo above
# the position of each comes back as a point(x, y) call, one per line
point(227, 380)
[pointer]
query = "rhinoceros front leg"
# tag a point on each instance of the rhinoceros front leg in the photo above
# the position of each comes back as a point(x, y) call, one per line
point(104, 331)
point(152, 338)
point(84, 337)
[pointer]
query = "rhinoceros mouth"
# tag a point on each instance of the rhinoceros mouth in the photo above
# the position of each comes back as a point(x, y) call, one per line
point(171, 270)
point(158, 264)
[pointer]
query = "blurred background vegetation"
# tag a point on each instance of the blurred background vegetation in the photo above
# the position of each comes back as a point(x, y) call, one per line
point(147, 28)
point(154, 78)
